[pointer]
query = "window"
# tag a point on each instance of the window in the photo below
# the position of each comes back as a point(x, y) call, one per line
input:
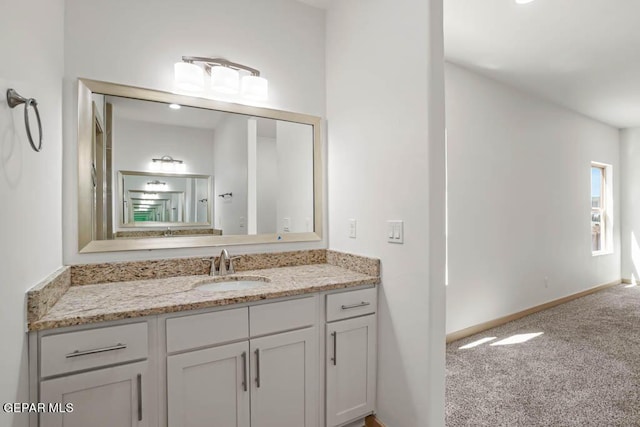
point(601, 209)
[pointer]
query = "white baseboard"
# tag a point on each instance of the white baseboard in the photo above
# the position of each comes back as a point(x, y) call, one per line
point(476, 329)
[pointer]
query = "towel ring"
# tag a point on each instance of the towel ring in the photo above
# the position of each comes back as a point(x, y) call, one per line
point(14, 99)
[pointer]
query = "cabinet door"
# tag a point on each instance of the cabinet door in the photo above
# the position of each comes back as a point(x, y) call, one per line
point(351, 369)
point(209, 387)
point(105, 398)
point(284, 386)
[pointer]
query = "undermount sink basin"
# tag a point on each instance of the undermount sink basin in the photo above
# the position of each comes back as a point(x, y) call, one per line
point(231, 285)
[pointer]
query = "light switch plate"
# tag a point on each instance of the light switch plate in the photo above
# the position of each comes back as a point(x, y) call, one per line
point(286, 225)
point(395, 231)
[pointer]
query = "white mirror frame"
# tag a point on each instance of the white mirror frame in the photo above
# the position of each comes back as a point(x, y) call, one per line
point(85, 193)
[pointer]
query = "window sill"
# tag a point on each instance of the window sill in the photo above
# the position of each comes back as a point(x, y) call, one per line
point(600, 253)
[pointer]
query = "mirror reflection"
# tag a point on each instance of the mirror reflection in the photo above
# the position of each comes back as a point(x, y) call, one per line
point(163, 199)
point(162, 170)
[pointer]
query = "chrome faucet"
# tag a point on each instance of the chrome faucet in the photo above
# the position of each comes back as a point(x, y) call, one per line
point(222, 269)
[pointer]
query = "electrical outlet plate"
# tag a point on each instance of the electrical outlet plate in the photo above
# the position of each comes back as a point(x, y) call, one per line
point(352, 228)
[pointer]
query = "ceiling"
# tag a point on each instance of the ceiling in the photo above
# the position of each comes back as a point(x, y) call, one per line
point(157, 112)
point(582, 54)
point(191, 117)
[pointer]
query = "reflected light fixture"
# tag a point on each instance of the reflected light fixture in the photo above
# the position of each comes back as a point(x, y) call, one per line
point(156, 185)
point(523, 1)
point(224, 77)
point(167, 159)
point(168, 163)
point(175, 106)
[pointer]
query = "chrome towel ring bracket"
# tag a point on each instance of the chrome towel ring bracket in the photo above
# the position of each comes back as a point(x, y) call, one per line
point(13, 100)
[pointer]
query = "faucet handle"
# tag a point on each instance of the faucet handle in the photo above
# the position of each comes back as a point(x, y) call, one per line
point(212, 261)
point(232, 268)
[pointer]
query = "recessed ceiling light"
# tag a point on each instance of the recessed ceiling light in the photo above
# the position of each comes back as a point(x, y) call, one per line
point(174, 106)
point(523, 1)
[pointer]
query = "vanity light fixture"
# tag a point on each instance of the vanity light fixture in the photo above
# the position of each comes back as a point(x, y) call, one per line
point(225, 77)
point(189, 76)
point(175, 106)
point(523, 1)
point(156, 182)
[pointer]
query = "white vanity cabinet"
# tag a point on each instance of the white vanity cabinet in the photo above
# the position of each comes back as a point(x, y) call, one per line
point(285, 384)
point(103, 398)
point(209, 387)
point(267, 377)
point(103, 372)
point(305, 361)
point(350, 356)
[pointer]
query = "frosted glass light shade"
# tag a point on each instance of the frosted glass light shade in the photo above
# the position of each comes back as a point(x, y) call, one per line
point(254, 87)
point(188, 76)
point(225, 79)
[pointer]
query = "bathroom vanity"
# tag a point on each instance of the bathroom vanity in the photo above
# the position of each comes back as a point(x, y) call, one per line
point(299, 349)
point(287, 341)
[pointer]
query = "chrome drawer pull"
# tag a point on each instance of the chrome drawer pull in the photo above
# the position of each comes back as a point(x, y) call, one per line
point(244, 370)
point(360, 304)
point(139, 397)
point(96, 350)
point(258, 368)
point(334, 359)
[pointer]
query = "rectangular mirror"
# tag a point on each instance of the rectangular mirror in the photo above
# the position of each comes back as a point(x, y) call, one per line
point(161, 170)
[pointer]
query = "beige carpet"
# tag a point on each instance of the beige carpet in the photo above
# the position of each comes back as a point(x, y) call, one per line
point(583, 370)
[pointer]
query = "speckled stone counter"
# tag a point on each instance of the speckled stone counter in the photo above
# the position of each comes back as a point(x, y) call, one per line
point(114, 300)
point(160, 233)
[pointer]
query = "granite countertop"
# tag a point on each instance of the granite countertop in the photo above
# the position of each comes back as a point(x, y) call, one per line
point(100, 302)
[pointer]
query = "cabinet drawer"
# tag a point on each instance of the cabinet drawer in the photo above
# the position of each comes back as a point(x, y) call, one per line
point(201, 330)
point(282, 316)
point(351, 304)
point(74, 351)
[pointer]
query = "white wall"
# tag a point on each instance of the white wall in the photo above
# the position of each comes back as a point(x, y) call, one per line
point(267, 185)
point(230, 148)
point(116, 41)
point(136, 143)
point(30, 247)
point(630, 203)
point(385, 112)
point(294, 145)
point(519, 200)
